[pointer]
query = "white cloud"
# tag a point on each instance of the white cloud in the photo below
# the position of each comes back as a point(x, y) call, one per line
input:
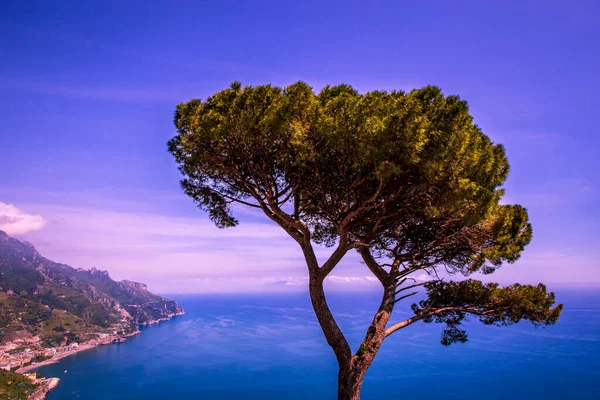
point(344, 279)
point(15, 222)
point(283, 281)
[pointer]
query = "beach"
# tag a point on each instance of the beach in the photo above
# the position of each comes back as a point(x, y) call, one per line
point(55, 359)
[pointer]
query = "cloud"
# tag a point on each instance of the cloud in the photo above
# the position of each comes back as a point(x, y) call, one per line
point(15, 222)
point(171, 253)
point(285, 281)
point(184, 252)
point(344, 279)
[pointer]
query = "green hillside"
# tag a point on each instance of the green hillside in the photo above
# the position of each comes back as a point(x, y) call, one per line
point(61, 305)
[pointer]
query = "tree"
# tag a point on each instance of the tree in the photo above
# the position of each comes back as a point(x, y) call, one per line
point(405, 179)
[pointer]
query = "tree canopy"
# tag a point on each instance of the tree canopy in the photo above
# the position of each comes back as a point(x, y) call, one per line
point(407, 173)
point(406, 179)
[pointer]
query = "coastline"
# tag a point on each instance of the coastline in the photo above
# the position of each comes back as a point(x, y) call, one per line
point(53, 382)
point(157, 321)
point(54, 360)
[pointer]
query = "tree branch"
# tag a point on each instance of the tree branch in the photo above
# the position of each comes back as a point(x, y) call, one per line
point(340, 251)
point(420, 316)
point(377, 270)
point(409, 287)
point(238, 200)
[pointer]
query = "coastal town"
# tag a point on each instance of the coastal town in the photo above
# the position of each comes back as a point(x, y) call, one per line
point(22, 354)
point(49, 311)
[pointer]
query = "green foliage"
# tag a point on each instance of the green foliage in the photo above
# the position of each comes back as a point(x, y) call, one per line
point(408, 173)
point(60, 303)
point(408, 178)
point(15, 277)
point(451, 302)
point(15, 386)
point(362, 349)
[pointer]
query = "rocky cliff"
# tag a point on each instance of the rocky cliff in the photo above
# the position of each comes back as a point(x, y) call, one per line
point(33, 288)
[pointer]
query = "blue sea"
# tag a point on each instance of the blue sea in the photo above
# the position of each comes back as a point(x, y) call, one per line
point(270, 347)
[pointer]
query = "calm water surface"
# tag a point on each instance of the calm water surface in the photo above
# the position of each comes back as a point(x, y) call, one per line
point(270, 347)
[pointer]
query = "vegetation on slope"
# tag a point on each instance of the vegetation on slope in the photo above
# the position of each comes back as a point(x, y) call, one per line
point(15, 386)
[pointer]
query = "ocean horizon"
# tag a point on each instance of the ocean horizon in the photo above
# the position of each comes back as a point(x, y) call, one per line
point(269, 346)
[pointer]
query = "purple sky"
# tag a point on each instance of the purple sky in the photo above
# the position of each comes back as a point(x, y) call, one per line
point(88, 95)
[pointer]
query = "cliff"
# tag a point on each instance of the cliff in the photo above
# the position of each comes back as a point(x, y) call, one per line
point(61, 304)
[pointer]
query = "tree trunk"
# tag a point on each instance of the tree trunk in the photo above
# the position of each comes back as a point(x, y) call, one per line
point(334, 336)
point(352, 369)
point(349, 383)
point(350, 377)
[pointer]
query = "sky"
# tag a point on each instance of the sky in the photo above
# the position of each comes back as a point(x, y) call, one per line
point(89, 90)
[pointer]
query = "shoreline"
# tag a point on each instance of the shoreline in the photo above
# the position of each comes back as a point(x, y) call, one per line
point(56, 359)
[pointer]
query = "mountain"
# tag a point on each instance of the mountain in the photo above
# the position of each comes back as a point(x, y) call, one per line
point(59, 304)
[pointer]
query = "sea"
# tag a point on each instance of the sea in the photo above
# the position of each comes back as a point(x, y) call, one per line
point(269, 346)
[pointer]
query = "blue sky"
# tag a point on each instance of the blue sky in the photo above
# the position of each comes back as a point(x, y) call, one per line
point(89, 90)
